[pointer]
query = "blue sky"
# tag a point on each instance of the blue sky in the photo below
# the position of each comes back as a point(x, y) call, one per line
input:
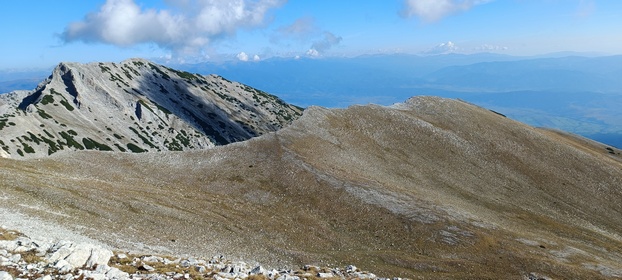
point(39, 34)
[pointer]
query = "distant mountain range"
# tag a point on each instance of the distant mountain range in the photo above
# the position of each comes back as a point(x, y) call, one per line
point(572, 93)
point(134, 106)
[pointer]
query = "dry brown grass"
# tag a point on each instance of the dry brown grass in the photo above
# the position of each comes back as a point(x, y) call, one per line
point(126, 265)
point(9, 235)
point(10, 270)
point(31, 257)
point(257, 277)
point(439, 190)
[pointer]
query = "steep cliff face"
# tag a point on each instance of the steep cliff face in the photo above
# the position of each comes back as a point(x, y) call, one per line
point(134, 106)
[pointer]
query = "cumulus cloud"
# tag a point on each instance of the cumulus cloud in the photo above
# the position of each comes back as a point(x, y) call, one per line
point(488, 48)
point(242, 56)
point(312, 53)
point(443, 48)
point(433, 10)
point(328, 41)
point(186, 28)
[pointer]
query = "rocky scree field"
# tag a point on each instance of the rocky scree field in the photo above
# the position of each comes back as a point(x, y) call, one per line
point(24, 258)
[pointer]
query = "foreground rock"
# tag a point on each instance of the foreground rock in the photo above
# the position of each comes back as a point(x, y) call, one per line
point(23, 258)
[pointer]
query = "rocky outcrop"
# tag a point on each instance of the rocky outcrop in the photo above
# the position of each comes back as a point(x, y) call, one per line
point(28, 258)
point(24, 258)
point(135, 106)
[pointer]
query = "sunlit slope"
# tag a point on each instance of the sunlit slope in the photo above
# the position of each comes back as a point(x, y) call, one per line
point(432, 188)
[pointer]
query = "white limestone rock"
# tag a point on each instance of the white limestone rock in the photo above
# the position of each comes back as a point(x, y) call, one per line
point(115, 273)
point(288, 277)
point(99, 256)
point(259, 270)
point(5, 276)
point(79, 255)
point(46, 277)
point(63, 266)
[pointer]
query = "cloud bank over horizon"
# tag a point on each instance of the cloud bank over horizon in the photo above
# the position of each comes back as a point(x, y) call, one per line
point(186, 27)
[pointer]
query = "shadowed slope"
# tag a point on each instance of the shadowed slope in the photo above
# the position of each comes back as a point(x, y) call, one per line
point(135, 106)
point(431, 188)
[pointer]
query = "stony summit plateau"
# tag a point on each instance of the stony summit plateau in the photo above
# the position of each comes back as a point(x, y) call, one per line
point(179, 164)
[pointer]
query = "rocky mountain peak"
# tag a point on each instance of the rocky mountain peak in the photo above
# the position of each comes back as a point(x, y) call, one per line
point(134, 106)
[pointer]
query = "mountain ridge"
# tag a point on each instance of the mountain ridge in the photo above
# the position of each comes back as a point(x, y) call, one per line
point(134, 106)
point(430, 188)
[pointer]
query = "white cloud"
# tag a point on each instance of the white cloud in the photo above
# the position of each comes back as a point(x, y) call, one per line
point(313, 53)
point(443, 48)
point(433, 10)
point(242, 56)
point(256, 58)
point(487, 47)
point(188, 28)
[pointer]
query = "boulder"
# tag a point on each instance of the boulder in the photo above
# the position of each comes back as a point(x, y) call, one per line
point(63, 266)
point(99, 256)
point(15, 258)
point(94, 276)
point(200, 269)
point(185, 263)
point(8, 245)
point(5, 276)
point(146, 267)
point(59, 251)
point(115, 273)
point(79, 256)
point(151, 259)
point(258, 270)
point(46, 277)
point(288, 277)
point(351, 269)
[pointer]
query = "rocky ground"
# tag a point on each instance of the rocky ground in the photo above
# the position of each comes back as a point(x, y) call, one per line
point(24, 258)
